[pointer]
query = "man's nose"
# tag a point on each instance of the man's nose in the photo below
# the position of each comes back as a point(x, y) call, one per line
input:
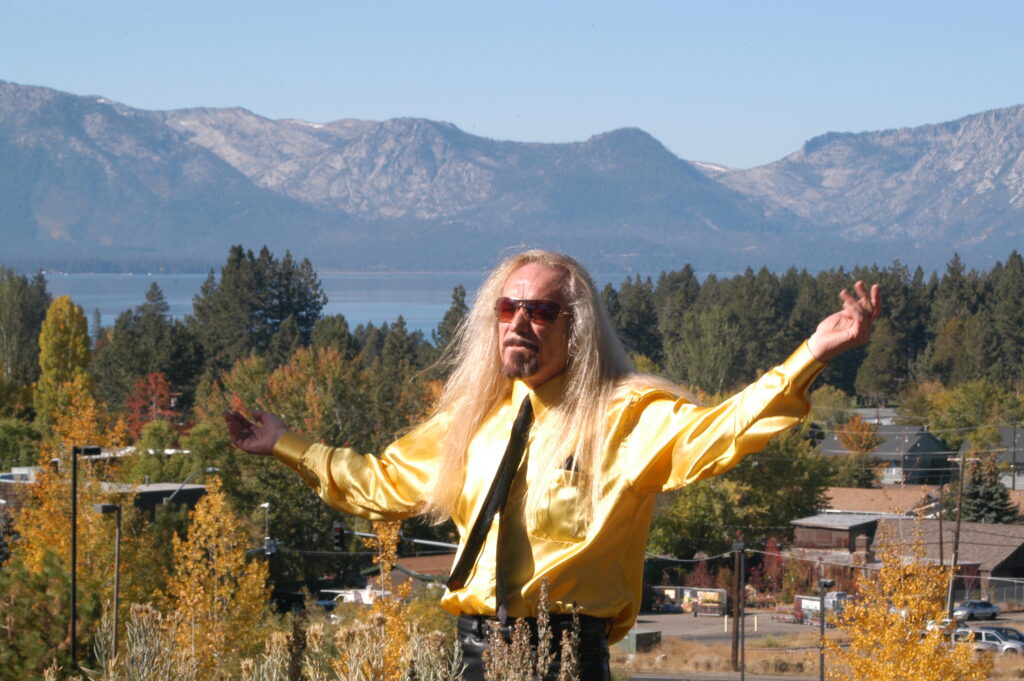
point(521, 320)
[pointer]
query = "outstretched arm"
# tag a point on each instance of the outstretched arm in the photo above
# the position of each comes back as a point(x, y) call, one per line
point(849, 327)
point(257, 437)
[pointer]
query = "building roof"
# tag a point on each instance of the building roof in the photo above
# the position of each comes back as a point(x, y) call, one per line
point(987, 544)
point(899, 499)
point(1011, 442)
point(431, 568)
point(837, 521)
point(897, 442)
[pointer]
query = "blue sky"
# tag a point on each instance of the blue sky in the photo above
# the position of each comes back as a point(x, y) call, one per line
point(736, 83)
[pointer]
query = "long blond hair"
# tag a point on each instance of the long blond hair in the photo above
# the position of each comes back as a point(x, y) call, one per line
point(575, 427)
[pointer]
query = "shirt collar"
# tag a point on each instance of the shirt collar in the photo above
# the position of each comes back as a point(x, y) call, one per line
point(543, 398)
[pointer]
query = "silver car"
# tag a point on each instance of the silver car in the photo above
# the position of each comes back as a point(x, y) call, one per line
point(976, 610)
point(984, 638)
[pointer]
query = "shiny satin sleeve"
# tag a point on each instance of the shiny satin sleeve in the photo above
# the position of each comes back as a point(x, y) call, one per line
point(672, 442)
point(385, 487)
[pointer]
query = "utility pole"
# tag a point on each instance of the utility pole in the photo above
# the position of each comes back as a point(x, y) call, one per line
point(956, 538)
point(1013, 469)
point(738, 639)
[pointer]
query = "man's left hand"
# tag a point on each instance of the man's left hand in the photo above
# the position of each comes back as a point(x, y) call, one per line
point(849, 327)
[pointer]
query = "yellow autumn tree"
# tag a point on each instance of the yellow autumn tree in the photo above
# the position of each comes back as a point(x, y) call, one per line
point(218, 594)
point(63, 359)
point(45, 522)
point(888, 625)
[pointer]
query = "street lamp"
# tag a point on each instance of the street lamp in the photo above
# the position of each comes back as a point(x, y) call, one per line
point(106, 509)
point(3, 514)
point(822, 585)
point(173, 494)
point(269, 546)
point(75, 452)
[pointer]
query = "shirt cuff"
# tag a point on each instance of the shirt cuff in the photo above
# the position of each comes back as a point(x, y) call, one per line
point(290, 448)
point(802, 367)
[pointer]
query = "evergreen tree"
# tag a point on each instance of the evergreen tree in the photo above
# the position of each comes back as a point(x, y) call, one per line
point(963, 349)
point(673, 295)
point(1007, 309)
point(142, 341)
point(241, 311)
point(333, 332)
point(708, 354)
point(986, 499)
point(879, 374)
point(35, 605)
point(19, 443)
point(453, 317)
point(23, 306)
point(635, 318)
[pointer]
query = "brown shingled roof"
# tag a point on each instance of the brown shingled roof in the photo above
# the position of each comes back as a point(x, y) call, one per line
point(987, 544)
point(899, 499)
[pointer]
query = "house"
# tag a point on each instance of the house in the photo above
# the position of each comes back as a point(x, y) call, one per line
point(1009, 454)
point(907, 454)
point(990, 556)
point(427, 569)
point(911, 500)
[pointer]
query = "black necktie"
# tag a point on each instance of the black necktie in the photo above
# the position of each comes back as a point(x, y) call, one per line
point(493, 503)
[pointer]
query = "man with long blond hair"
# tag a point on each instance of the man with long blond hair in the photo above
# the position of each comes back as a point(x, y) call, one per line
point(547, 449)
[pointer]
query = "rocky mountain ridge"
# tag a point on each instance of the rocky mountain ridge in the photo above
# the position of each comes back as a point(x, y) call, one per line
point(85, 177)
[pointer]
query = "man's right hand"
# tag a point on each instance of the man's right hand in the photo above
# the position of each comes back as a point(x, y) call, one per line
point(255, 438)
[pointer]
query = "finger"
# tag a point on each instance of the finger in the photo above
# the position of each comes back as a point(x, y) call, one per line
point(876, 300)
point(862, 294)
point(865, 301)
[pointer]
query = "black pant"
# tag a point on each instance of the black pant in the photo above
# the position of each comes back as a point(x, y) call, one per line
point(593, 644)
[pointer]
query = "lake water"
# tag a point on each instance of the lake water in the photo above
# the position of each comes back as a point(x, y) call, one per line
point(420, 298)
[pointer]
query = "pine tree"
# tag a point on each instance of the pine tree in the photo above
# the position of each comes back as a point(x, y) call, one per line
point(241, 311)
point(636, 318)
point(879, 374)
point(23, 306)
point(453, 317)
point(1007, 306)
point(986, 499)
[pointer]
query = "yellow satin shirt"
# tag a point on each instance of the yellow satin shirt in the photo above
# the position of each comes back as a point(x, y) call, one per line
point(656, 443)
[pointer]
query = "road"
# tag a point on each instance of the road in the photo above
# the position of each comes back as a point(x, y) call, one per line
point(758, 624)
point(716, 630)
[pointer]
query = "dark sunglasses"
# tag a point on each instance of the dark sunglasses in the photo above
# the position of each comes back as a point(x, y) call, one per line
point(540, 311)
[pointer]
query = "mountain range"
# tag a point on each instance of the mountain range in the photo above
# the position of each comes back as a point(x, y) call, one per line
point(88, 183)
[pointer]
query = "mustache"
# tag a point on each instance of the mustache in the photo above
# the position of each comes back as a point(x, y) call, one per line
point(522, 343)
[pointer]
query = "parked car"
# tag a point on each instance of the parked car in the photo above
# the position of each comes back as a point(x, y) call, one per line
point(976, 610)
point(947, 626)
point(984, 639)
point(1008, 632)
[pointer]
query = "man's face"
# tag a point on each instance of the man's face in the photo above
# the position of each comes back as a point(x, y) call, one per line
point(531, 349)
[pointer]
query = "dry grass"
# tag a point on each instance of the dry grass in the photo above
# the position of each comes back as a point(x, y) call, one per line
point(785, 654)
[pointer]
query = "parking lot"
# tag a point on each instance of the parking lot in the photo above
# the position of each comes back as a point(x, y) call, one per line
point(710, 629)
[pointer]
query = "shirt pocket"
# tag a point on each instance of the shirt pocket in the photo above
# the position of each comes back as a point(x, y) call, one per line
point(566, 515)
